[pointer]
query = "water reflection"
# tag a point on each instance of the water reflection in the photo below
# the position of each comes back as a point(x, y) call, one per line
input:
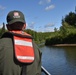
point(59, 60)
point(71, 59)
point(71, 55)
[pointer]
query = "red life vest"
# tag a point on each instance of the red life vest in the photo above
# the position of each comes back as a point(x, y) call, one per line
point(23, 47)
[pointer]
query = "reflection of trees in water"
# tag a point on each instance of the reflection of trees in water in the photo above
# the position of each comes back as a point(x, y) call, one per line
point(70, 53)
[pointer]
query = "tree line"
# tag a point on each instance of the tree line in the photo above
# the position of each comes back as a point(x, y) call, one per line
point(65, 34)
point(39, 37)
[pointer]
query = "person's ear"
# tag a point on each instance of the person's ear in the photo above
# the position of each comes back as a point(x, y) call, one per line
point(24, 26)
point(8, 26)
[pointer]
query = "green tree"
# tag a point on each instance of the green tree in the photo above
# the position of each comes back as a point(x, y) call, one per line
point(71, 19)
point(2, 30)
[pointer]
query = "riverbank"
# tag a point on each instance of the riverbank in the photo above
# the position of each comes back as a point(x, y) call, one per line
point(64, 45)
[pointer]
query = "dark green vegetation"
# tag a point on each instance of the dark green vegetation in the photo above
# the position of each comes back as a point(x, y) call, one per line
point(2, 30)
point(65, 35)
point(67, 32)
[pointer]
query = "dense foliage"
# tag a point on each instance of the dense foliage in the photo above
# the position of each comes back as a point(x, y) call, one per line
point(66, 33)
point(71, 19)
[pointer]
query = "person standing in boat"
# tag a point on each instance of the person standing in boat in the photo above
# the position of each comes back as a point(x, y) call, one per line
point(19, 55)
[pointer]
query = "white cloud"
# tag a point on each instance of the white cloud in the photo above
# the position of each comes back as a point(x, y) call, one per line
point(41, 29)
point(40, 2)
point(49, 25)
point(46, 29)
point(50, 7)
point(2, 7)
point(49, 29)
point(31, 25)
point(48, 1)
point(44, 2)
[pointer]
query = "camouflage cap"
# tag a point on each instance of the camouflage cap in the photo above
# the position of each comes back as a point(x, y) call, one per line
point(15, 16)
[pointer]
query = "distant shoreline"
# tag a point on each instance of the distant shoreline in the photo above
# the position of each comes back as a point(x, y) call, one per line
point(64, 45)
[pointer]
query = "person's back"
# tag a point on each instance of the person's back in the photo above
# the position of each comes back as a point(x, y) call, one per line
point(16, 56)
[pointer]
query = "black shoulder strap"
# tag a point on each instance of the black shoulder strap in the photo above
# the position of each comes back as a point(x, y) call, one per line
point(11, 34)
point(7, 34)
point(23, 70)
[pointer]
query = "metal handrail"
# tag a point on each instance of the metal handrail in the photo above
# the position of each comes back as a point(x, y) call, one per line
point(45, 71)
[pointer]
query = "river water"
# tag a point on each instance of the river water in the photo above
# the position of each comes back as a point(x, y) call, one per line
point(59, 60)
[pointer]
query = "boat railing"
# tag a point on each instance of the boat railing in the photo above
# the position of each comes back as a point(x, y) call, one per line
point(45, 71)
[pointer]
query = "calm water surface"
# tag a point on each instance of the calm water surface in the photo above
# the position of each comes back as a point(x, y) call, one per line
point(59, 60)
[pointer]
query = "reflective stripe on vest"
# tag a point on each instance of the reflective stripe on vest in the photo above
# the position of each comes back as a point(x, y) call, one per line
point(24, 50)
point(24, 43)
